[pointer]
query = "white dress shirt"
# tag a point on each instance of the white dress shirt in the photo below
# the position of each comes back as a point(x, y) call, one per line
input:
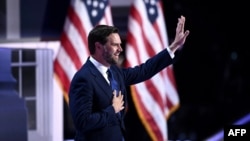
point(102, 69)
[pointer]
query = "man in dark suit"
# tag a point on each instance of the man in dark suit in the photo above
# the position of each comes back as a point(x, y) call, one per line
point(97, 108)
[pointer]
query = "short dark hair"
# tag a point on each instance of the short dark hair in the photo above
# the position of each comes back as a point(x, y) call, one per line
point(99, 34)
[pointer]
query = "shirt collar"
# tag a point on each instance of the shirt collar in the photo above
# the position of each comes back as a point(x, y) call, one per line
point(103, 69)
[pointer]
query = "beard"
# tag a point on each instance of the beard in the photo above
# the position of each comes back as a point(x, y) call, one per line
point(109, 58)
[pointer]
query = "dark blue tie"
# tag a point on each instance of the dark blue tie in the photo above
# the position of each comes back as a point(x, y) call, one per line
point(113, 83)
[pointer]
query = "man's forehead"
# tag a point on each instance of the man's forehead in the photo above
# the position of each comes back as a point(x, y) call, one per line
point(114, 38)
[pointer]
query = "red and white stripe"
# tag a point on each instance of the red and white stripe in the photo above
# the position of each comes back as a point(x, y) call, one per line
point(155, 98)
point(73, 51)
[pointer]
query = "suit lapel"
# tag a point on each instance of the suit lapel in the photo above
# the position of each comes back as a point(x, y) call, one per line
point(99, 79)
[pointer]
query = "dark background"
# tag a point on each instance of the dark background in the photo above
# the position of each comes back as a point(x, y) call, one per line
point(212, 69)
point(212, 72)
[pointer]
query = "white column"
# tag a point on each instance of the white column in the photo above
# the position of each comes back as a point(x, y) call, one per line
point(120, 2)
point(13, 19)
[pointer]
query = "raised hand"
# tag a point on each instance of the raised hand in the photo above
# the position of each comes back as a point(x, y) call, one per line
point(180, 35)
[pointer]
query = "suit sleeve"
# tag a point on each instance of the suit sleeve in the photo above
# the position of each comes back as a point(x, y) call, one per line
point(147, 69)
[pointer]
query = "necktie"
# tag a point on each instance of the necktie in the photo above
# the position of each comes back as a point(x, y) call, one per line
point(113, 83)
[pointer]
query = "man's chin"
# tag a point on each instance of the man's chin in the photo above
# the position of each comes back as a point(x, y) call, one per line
point(113, 61)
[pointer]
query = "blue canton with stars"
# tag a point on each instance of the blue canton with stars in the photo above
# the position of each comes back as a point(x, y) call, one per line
point(152, 10)
point(95, 9)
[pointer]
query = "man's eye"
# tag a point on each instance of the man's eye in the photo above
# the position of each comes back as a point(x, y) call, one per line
point(113, 44)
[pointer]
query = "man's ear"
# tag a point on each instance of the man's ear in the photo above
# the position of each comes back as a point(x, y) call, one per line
point(98, 45)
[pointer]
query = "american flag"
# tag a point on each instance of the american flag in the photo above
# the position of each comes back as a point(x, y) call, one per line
point(82, 16)
point(157, 98)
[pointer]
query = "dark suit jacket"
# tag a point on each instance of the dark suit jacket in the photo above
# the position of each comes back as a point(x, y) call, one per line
point(90, 98)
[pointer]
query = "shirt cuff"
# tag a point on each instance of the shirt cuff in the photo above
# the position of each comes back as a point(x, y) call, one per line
point(170, 53)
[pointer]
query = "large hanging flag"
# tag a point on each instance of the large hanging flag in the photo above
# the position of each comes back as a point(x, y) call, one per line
point(82, 16)
point(154, 99)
